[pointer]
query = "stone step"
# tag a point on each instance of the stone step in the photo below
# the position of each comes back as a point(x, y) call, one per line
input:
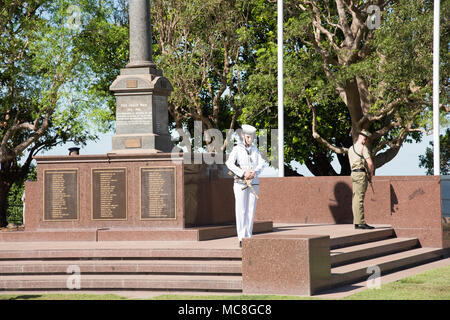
point(371, 250)
point(122, 282)
point(125, 253)
point(358, 271)
point(361, 236)
point(198, 233)
point(121, 266)
point(215, 232)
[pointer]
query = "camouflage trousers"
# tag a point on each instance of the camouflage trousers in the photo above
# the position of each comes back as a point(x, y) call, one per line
point(359, 184)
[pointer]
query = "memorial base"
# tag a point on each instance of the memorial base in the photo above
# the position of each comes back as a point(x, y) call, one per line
point(128, 197)
point(141, 143)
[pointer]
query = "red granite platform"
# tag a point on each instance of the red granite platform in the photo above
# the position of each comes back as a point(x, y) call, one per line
point(200, 233)
point(217, 265)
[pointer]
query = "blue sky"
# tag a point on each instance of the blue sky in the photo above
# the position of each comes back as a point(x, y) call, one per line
point(406, 163)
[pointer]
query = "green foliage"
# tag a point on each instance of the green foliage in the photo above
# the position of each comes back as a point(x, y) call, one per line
point(304, 83)
point(50, 88)
point(207, 50)
point(104, 44)
point(42, 79)
point(426, 161)
point(15, 203)
point(381, 83)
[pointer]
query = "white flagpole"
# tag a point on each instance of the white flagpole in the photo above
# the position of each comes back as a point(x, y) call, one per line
point(280, 90)
point(436, 143)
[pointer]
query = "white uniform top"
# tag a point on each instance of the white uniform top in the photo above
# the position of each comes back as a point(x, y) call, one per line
point(242, 158)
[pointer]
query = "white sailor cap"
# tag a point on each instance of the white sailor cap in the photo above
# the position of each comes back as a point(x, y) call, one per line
point(248, 129)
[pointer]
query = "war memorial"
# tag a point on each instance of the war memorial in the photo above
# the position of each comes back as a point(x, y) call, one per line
point(140, 218)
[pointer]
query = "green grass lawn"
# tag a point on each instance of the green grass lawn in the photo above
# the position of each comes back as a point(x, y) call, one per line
point(430, 285)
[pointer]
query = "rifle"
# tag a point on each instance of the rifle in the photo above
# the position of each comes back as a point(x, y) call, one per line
point(369, 179)
point(248, 184)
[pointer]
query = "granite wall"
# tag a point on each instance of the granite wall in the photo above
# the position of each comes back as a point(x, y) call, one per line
point(415, 206)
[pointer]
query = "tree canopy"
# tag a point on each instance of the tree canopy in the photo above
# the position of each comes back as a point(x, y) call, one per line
point(342, 75)
point(205, 49)
point(427, 160)
point(44, 83)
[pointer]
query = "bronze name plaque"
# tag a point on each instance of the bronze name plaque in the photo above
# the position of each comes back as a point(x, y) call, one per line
point(60, 195)
point(109, 194)
point(133, 143)
point(158, 193)
point(132, 83)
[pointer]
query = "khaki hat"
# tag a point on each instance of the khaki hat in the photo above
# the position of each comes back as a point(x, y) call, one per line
point(74, 149)
point(365, 133)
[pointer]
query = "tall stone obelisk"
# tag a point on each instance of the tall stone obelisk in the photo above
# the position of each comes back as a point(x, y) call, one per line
point(141, 92)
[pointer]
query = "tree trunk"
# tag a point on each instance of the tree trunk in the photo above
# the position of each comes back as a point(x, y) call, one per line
point(345, 164)
point(5, 186)
point(320, 166)
point(343, 157)
point(289, 172)
point(353, 103)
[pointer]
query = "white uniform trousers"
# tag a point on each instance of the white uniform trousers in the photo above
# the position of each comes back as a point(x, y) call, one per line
point(245, 202)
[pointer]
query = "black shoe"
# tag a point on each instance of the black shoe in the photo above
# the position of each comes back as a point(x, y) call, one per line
point(240, 244)
point(363, 226)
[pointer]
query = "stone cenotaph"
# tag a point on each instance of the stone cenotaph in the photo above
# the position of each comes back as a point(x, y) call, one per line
point(141, 92)
point(140, 190)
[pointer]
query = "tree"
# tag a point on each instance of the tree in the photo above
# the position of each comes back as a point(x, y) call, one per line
point(104, 43)
point(426, 161)
point(381, 77)
point(40, 85)
point(203, 46)
point(304, 78)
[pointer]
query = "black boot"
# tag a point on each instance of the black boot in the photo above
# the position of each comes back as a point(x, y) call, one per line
point(363, 226)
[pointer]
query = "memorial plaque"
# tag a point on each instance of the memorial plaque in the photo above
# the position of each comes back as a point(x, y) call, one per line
point(61, 195)
point(132, 84)
point(109, 194)
point(133, 143)
point(134, 115)
point(158, 193)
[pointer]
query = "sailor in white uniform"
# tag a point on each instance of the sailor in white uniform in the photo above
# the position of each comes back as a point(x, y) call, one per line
point(246, 163)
